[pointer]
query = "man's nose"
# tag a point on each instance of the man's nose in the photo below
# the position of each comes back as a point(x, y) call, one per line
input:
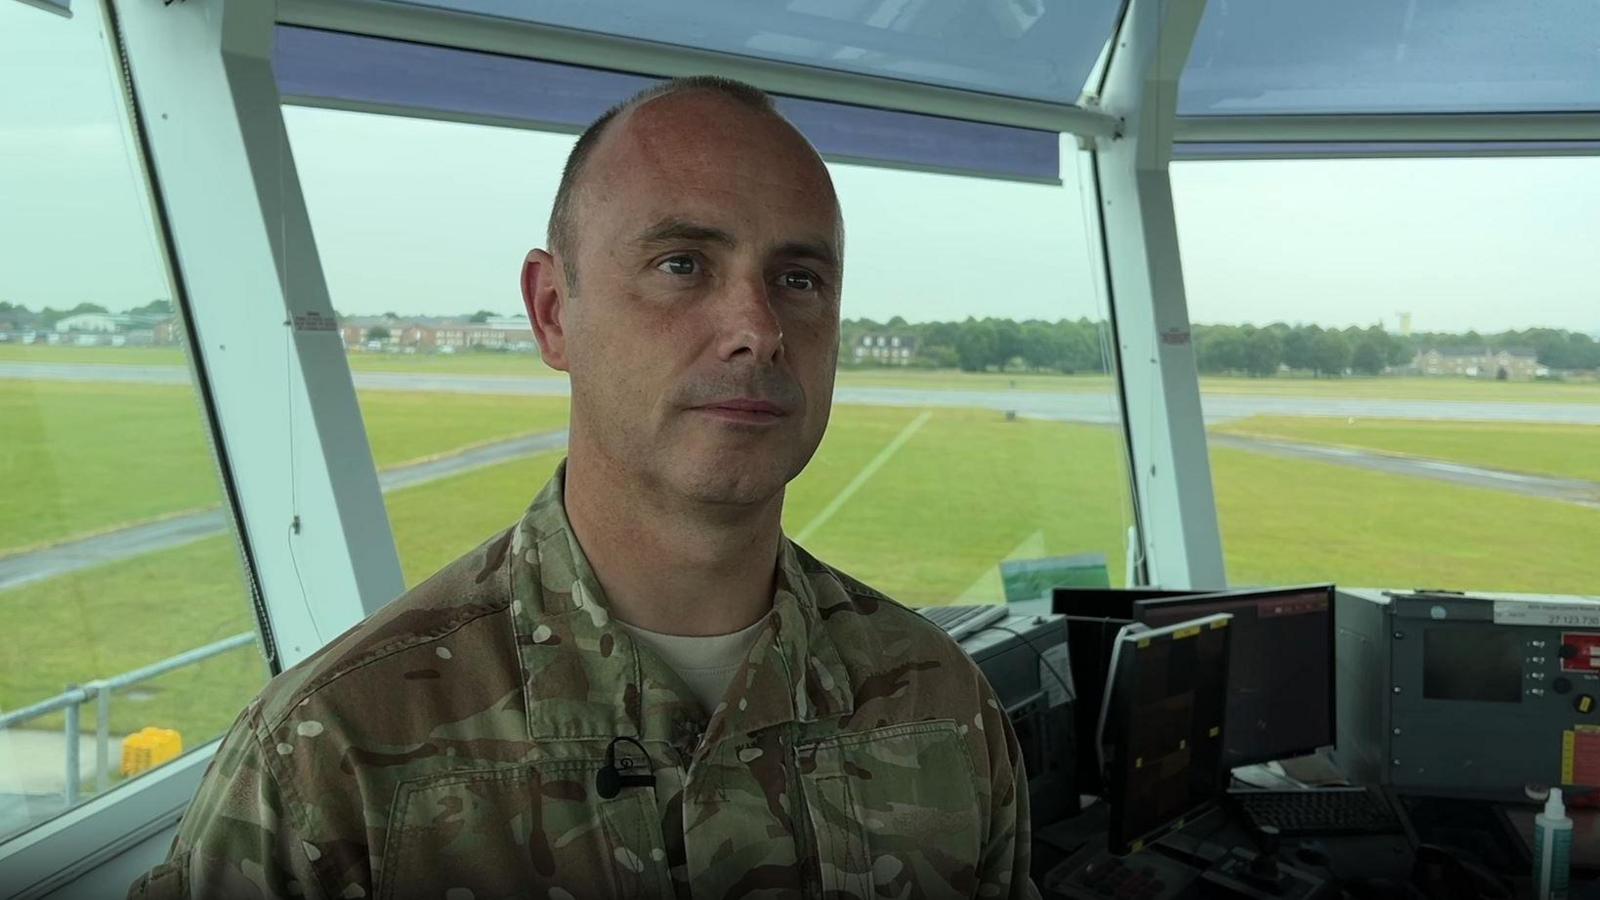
point(747, 321)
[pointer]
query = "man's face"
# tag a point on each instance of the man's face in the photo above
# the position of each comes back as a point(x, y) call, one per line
point(703, 333)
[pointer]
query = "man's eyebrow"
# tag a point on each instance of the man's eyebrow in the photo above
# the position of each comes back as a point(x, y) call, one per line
point(818, 250)
point(670, 230)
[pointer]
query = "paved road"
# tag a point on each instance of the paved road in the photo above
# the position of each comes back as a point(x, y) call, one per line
point(137, 540)
point(1582, 493)
point(1071, 407)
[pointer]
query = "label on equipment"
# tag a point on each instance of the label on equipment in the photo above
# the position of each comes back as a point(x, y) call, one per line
point(1055, 664)
point(1580, 755)
point(1574, 614)
point(1585, 652)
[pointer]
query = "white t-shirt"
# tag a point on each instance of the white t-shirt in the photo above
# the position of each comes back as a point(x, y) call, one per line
point(706, 664)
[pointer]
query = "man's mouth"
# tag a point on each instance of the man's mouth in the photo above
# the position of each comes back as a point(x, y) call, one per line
point(744, 410)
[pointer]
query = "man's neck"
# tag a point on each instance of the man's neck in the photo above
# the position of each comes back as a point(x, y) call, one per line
point(667, 566)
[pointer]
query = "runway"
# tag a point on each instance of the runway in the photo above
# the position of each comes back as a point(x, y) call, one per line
point(1100, 408)
point(165, 534)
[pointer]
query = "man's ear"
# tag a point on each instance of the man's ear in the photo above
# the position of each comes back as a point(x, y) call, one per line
point(544, 293)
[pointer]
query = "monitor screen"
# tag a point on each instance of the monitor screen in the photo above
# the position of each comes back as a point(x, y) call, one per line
point(1281, 686)
point(1470, 662)
point(1165, 728)
point(1094, 617)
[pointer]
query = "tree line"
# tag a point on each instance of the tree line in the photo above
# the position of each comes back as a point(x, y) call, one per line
point(47, 317)
point(977, 345)
point(1084, 346)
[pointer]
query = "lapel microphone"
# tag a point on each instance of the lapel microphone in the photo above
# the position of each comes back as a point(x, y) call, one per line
point(610, 780)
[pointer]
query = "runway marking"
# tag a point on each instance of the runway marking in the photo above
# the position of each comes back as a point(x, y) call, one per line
point(867, 471)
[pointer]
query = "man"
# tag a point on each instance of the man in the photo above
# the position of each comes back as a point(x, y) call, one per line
point(642, 688)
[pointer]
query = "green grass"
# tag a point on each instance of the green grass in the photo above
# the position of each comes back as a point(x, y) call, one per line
point(100, 456)
point(967, 490)
point(1559, 451)
point(93, 456)
point(1289, 521)
point(105, 356)
point(437, 522)
point(118, 617)
point(1464, 390)
point(511, 365)
point(407, 427)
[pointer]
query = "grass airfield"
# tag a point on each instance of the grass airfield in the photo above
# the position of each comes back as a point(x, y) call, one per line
point(922, 503)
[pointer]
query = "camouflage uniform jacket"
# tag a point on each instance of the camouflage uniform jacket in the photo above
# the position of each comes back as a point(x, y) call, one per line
point(448, 747)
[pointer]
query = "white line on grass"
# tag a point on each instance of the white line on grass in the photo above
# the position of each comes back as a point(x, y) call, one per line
point(867, 471)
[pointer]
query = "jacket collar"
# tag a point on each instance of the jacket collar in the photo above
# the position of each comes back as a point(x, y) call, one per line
point(585, 677)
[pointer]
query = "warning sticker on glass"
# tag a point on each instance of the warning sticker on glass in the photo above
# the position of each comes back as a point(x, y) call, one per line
point(1580, 755)
point(1551, 614)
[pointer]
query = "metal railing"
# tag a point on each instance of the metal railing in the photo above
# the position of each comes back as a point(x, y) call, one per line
point(100, 690)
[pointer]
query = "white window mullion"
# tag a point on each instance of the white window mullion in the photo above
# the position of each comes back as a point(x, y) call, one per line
point(308, 491)
point(1166, 428)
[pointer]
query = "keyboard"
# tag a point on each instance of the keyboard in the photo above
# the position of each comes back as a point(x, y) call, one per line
point(1142, 876)
point(1336, 810)
point(961, 622)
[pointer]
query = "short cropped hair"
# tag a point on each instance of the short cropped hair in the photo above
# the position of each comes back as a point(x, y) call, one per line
point(562, 229)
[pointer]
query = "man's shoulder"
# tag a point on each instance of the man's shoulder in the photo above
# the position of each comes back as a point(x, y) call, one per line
point(449, 618)
point(872, 631)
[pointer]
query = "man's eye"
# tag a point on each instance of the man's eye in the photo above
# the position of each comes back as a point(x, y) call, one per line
point(679, 265)
point(799, 281)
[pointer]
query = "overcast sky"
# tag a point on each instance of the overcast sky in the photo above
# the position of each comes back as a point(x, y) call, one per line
point(430, 217)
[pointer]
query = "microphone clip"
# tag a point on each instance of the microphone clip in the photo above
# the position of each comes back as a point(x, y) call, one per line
point(611, 779)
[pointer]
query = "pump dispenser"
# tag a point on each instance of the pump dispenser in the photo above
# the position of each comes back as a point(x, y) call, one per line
point(1552, 848)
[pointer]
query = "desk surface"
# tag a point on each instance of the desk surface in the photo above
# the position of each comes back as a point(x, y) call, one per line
point(1356, 866)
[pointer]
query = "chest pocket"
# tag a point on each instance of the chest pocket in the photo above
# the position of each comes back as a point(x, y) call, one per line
point(894, 811)
point(534, 831)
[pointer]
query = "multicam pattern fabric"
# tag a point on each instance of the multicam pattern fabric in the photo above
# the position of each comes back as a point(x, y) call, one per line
point(449, 745)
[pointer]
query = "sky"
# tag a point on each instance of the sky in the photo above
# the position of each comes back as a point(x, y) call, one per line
point(431, 217)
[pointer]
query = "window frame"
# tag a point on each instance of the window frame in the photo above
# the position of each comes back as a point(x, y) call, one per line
point(519, 38)
point(1166, 437)
point(203, 113)
point(53, 854)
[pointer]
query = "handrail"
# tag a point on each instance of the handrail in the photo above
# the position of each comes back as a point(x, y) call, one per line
point(101, 690)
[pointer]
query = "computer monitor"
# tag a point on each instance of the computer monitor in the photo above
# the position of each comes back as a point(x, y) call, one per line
point(1281, 691)
point(1094, 616)
point(1107, 603)
point(1163, 728)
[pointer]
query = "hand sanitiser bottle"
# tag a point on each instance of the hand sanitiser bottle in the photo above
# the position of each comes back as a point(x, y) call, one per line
point(1552, 848)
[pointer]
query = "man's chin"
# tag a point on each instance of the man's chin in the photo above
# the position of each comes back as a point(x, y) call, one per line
point(724, 484)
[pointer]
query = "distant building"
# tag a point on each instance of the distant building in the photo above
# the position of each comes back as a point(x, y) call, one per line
point(167, 331)
point(428, 334)
point(508, 323)
point(90, 323)
point(1502, 365)
point(886, 348)
point(357, 332)
point(484, 336)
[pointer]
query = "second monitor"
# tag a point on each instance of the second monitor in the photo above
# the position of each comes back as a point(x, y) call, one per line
point(1281, 673)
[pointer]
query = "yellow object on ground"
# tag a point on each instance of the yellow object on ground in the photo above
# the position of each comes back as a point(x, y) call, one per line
point(148, 748)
